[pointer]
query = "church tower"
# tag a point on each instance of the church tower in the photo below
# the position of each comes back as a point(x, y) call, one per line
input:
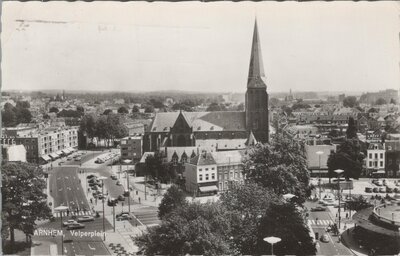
point(256, 102)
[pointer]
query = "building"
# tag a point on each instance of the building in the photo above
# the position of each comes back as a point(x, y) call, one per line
point(392, 158)
point(13, 153)
point(375, 162)
point(131, 148)
point(229, 168)
point(183, 129)
point(42, 145)
point(201, 175)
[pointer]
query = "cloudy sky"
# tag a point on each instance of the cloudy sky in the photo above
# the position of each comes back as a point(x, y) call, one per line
point(140, 46)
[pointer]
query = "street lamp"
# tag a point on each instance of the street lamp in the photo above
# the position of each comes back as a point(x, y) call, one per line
point(102, 178)
point(127, 161)
point(339, 171)
point(319, 153)
point(272, 240)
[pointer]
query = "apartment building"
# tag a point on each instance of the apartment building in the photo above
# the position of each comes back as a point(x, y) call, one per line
point(42, 145)
point(131, 148)
point(375, 162)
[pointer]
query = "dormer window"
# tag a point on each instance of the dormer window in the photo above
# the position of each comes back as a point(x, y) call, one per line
point(154, 128)
point(211, 128)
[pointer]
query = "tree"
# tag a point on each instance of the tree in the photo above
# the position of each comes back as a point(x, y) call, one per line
point(182, 106)
point(380, 101)
point(135, 109)
point(280, 166)
point(393, 101)
point(123, 110)
point(195, 229)
point(216, 107)
point(349, 157)
point(23, 115)
point(23, 104)
point(351, 132)
point(240, 107)
point(107, 111)
point(300, 105)
point(149, 109)
point(358, 203)
point(23, 199)
point(80, 109)
point(54, 110)
point(9, 118)
point(154, 167)
point(88, 126)
point(283, 220)
point(12, 116)
point(173, 199)
point(350, 101)
point(245, 204)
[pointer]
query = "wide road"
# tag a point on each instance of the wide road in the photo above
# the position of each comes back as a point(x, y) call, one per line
point(319, 221)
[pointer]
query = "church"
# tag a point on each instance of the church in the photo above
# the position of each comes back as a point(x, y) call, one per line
point(220, 130)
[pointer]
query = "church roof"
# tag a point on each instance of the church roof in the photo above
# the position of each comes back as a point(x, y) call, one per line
point(256, 78)
point(202, 121)
point(203, 158)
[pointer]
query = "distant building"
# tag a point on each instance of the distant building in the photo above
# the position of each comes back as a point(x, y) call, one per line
point(13, 153)
point(201, 175)
point(229, 168)
point(392, 158)
point(375, 162)
point(131, 148)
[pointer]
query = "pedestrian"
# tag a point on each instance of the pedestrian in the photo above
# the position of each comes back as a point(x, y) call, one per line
point(139, 200)
point(347, 215)
point(91, 200)
point(348, 231)
point(136, 192)
point(316, 220)
point(67, 212)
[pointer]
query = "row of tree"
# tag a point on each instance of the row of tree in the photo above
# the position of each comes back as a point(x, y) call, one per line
point(12, 116)
point(104, 127)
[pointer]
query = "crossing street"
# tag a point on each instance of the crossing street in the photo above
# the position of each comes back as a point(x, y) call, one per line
point(73, 213)
point(320, 222)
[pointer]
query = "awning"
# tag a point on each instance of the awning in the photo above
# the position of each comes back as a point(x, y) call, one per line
point(66, 151)
point(380, 172)
point(53, 155)
point(208, 188)
point(46, 158)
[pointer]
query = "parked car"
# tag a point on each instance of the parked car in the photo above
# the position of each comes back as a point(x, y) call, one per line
point(382, 190)
point(124, 216)
point(85, 219)
point(126, 193)
point(379, 183)
point(60, 163)
point(121, 198)
point(69, 158)
point(99, 161)
point(69, 222)
point(113, 177)
point(389, 190)
point(396, 190)
point(75, 226)
point(368, 189)
point(91, 176)
point(375, 190)
point(325, 238)
point(118, 183)
point(112, 202)
point(318, 209)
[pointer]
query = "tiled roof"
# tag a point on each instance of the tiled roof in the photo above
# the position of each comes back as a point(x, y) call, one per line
point(179, 151)
point(392, 145)
point(202, 121)
point(203, 158)
point(375, 146)
point(222, 144)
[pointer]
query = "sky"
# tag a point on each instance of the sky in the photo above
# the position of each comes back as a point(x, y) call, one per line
point(194, 46)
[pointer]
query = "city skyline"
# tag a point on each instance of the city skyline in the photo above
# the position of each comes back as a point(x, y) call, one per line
point(198, 53)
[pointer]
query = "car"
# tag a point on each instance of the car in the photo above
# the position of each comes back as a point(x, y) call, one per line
point(113, 177)
point(112, 202)
point(85, 219)
point(78, 159)
point(69, 222)
point(368, 189)
point(126, 193)
point(69, 158)
point(318, 209)
point(379, 183)
point(118, 183)
point(121, 198)
point(382, 190)
point(324, 238)
point(91, 176)
point(99, 161)
point(385, 182)
point(124, 216)
point(60, 163)
point(375, 190)
point(75, 226)
point(389, 190)
point(396, 190)
point(100, 196)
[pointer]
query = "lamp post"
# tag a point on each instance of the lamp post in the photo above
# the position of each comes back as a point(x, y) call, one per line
point(102, 178)
point(339, 171)
point(272, 240)
point(128, 161)
point(319, 153)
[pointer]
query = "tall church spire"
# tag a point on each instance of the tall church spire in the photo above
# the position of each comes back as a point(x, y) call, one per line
point(256, 76)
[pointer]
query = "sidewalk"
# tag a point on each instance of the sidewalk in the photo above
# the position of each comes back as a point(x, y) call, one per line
point(349, 241)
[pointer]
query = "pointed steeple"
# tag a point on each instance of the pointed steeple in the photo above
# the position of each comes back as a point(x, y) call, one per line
point(256, 76)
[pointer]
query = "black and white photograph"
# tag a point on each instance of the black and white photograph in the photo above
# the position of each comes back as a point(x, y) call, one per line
point(200, 128)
